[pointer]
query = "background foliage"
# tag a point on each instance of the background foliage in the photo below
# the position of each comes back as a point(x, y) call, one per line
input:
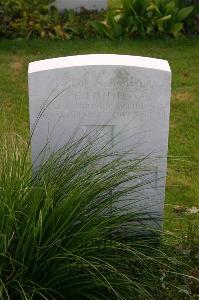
point(131, 18)
point(19, 18)
point(147, 17)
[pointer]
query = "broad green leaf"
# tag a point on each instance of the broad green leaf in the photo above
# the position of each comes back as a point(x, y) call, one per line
point(165, 18)
point(102, 29)
point(131, 21)
point(118, 30)
point(111, 19)
point(120, 17)
point(170, 7)
point(149, 28)
point(184, 12)
point(152, 6)
point(176, 28)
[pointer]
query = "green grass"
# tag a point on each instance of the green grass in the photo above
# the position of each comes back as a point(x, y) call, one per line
point(60, 241)
point(183, 56)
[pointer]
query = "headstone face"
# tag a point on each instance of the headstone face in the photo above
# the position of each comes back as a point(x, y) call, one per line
point(77, 4)
point(128, 97)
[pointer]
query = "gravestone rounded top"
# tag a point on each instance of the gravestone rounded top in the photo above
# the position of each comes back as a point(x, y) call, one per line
point(99, 60)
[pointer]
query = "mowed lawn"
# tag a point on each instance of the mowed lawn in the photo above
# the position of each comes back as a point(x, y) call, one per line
point(183, 56)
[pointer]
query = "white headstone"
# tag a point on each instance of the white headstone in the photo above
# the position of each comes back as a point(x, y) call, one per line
point(77, 4)
point(128, 96)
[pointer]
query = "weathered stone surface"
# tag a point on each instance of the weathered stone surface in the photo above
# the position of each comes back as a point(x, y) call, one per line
point(127, 96)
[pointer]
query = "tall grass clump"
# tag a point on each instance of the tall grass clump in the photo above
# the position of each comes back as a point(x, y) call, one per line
point(63, 228)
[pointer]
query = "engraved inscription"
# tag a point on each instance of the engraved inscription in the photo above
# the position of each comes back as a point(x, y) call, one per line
point(121, 109)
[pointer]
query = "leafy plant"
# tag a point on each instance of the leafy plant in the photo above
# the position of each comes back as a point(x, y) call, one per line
point(33, 19)
point(129, 20)
point(168, 17)
point(192, 22)
point(145, 17)
point(61, 238)
point(18, 17)
point(135, 16)
point(110, 27)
